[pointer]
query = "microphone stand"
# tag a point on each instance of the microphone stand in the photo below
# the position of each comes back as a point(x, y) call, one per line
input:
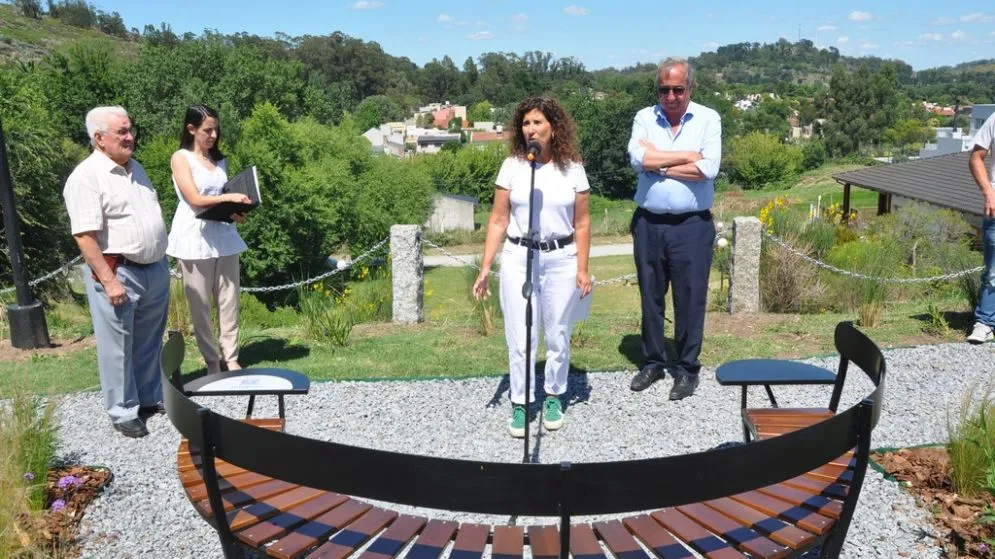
point(527, 293)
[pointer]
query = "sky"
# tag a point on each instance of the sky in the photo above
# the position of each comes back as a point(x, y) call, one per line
point(601, 33)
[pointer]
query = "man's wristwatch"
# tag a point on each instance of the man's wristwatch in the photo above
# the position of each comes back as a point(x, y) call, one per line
point(663, 171)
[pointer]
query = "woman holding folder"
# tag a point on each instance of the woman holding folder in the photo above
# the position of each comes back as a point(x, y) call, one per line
point(207, 250)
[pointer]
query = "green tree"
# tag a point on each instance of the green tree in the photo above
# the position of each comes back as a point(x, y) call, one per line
point(481, 112)
point(376, 110)
point(759, 159)
point(28, 8)
point(604, 128)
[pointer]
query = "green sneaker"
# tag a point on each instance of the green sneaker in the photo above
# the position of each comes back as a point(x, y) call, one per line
point(516, 425)
point(552, 413)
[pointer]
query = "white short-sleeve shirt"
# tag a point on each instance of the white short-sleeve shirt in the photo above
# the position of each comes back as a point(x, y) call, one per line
point(556, 192)
point(192, 238)
point(985, 139)
point(120, 205)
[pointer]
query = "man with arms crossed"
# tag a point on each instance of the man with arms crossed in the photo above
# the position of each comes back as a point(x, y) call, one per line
point(984, 313)
point(117, 223)
point(675, 148)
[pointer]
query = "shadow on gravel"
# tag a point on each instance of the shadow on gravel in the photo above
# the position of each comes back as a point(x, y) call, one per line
point(578, 389)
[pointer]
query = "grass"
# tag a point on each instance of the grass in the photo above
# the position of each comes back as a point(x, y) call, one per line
point(28, 436)
point(24, 38)
point(449, 343)
point(972, 443)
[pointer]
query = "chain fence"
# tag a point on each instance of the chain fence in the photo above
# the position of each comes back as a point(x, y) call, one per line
point(265, 289)
point(814, 261)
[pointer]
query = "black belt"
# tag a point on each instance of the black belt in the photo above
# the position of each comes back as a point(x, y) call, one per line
point(544, 246)
point(672, 219)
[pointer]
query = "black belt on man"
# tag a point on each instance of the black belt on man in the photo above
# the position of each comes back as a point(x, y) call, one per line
point(672, 219)
point(544, 246)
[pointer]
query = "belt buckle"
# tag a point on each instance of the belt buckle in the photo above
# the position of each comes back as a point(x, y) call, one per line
point(545, 246)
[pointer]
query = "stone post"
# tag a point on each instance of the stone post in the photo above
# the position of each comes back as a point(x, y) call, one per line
point(744, 266)
point(408, 274)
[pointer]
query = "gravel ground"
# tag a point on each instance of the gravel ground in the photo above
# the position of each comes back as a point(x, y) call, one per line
point(144, 513)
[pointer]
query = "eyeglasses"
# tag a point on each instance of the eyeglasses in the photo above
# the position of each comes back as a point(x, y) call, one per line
point(666, 89)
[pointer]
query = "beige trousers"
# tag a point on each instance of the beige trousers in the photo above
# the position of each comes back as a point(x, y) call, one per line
point(204, 281)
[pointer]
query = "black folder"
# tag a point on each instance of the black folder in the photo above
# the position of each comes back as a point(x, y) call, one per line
point(246, 182)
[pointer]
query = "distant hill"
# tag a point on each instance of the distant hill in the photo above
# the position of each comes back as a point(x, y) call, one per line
point(26, 39)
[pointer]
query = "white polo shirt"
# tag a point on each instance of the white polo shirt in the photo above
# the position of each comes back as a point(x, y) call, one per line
point(120, 205)
point(556, 192)
point(984, 138)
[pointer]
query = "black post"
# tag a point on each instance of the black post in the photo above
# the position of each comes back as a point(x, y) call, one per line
point(28, 329)
point(527, 293)
point(565, 493)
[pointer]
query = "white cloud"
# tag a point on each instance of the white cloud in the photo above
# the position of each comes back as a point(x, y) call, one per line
point(480, 36)
point(977, 17)
point(444, 18)
point(958, 35)
point(711, 45)
point(931, 37)
point(826, 28)
point(843, 39)
point(576, 11)
point(367, 5)
point(521, 17)
point(943, 20)
point(867, 45)
point(858, 15)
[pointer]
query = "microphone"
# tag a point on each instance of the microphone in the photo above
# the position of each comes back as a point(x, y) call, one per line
point(534, 150)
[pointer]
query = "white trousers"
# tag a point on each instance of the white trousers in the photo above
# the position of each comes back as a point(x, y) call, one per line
point(204, 281)
point(554, 278)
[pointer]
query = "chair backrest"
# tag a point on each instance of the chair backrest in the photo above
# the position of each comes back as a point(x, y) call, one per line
point(855, 347)
point(171, 358)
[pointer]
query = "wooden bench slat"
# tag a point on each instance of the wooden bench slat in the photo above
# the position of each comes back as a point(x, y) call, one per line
point(509, 542)
point(236, 482)
point(243, 498)
point(776, 530)
point(817, 487)
point(307, 535)
point(729, 530)
point(193, 477)
point(470, 542)
point(584, 544)
point(271, 506)
point(691, 533)
point(656, 538)
point(392, 541)
point(544, 541)
point(619, 540)
point(286, 521)
point(817, 503)
point(433, 540)
point(768, 412)
point(799, 516)
point(353, 536)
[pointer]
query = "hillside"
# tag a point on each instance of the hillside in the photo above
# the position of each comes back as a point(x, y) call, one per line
point(26, 39)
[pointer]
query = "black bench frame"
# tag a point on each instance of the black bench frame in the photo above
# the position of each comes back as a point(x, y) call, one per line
point(552, 490)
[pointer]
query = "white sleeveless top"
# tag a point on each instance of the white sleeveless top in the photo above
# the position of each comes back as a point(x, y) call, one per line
point(191, 238)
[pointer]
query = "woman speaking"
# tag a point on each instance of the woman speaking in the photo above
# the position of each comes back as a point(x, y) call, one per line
point(560, 272)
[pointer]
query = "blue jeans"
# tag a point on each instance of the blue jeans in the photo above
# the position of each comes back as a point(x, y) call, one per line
point(985, 312)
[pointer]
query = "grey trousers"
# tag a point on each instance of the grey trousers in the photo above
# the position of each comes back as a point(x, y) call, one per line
point(129, 338)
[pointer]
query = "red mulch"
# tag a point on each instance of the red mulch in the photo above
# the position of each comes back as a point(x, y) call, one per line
point(924, 472)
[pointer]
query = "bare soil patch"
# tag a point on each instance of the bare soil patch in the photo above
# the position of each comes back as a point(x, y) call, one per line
point(59, 347)
point(69, 491)
point(925, 472)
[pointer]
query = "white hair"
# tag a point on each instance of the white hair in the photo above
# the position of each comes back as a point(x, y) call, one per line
point(96, 120)
point(669, 63)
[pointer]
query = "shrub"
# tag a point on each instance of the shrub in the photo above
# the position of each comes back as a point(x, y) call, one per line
point(322, 320)
point(971, 444)
point(759, 159)
point(255, 314)
point(873, 258)
point(813, 155)
point(788, 284)
point(28, 8)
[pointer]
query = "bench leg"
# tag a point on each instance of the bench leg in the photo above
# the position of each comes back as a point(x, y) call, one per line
point(770, 395)
point(280, 398)
point(252, 403)
point(742, 413)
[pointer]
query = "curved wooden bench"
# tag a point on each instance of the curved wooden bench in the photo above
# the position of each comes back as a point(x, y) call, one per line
point(780, 497)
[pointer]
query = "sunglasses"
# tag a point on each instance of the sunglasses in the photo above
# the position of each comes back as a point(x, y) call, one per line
point(666, 89)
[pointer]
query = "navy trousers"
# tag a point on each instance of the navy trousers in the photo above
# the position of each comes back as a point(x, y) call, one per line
point(673, 251)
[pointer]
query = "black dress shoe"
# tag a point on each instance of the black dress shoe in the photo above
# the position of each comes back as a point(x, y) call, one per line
point(684, 386)
point(154, 409)
point(646, 377)
point(133, 428)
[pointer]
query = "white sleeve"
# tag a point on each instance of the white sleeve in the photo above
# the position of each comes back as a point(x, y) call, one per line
point(579, 178)
point(986, 134)
point(506, 176)
point(86, 212)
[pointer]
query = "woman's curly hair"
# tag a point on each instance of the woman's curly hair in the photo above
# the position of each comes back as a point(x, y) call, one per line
point(564, 141)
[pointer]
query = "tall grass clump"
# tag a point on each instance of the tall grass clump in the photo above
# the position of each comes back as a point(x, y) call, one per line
point(788, 284)
point(323, 320)
point(971, 444)
point(28, 437)
point(487, 310)
point(178, 315)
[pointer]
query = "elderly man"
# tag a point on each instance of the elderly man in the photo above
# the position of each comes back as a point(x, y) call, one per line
point(117, 223)
point(984, 313)
point(675, 148)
